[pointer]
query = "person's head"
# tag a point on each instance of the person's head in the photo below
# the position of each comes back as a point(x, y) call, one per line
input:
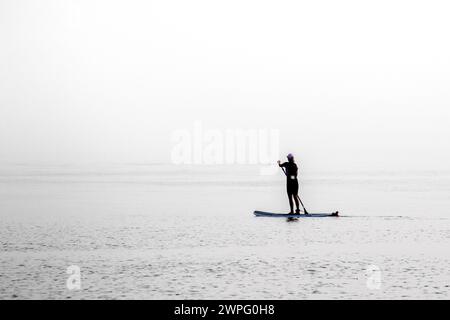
point(290, 157)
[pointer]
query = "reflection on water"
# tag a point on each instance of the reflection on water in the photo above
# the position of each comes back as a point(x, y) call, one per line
point(157, 232)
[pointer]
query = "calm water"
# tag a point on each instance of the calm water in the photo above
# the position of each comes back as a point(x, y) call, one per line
point(163, 232)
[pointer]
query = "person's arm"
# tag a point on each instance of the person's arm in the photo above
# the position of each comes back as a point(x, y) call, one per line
point(281, 164)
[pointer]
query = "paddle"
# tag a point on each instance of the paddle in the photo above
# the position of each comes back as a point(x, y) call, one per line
point(298, 197)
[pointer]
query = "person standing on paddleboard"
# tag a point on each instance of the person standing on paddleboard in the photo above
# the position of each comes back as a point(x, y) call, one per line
point(290, 169)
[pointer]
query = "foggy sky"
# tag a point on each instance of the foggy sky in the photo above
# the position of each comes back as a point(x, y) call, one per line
point(349, 84)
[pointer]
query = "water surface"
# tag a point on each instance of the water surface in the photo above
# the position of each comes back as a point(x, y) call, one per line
point(175, 232)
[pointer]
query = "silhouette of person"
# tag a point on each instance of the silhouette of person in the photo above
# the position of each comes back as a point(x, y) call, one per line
point(291, 182)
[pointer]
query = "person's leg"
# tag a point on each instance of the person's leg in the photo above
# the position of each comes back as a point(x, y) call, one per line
point(295, 195)
point(291, 203)
point(297, 203)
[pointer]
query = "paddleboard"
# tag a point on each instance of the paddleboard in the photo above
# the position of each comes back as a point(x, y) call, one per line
point(286, 215)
